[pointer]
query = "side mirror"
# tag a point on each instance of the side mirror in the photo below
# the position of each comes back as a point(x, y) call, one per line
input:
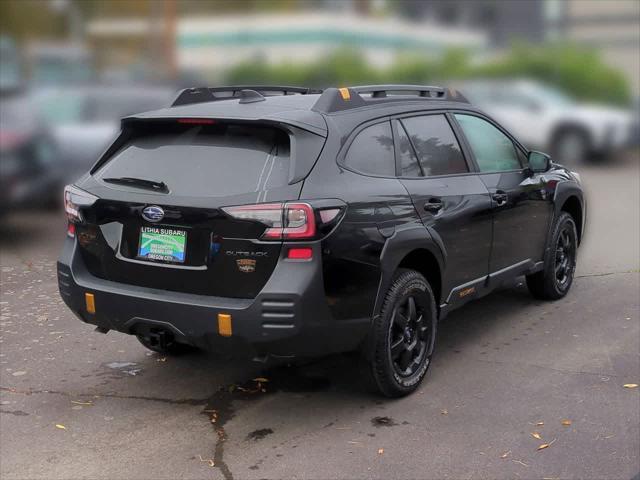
point(539, 162)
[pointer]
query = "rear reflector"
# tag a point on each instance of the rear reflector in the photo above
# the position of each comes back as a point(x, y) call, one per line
point(90, 302)
point(224, 324)
point(71, 229)
point(304, 253)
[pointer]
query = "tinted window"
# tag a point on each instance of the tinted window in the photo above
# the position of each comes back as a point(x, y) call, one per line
point(436, 145)
point(409, 166)
point(494, 151)
point(206, 160)
point(372, 151)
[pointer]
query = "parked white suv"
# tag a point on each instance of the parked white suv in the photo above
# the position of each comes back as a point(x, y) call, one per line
point(545, 118)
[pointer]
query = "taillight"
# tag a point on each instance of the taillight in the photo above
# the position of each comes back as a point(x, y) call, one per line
point(284, 221)
point(74, 200)
point(300, 221)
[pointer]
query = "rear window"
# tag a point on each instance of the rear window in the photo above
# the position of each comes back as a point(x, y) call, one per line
point(205, 160)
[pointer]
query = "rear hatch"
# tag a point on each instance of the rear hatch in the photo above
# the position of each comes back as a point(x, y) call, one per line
point(158, 219)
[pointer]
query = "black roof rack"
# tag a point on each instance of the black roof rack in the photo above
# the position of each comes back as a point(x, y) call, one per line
point(246, 93)
point(339, 99)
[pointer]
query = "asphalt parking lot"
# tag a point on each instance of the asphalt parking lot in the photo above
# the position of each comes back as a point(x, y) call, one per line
point(508, 369)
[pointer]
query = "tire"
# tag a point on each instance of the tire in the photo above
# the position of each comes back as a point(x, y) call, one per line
point(403, 335)
point(570, 146)
point(554, 281)
point(172, 348)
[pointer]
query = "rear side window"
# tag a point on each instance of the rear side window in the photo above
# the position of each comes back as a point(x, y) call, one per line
point(436, 145)
point(205, 160)
point(494, 151)
point(371, 152)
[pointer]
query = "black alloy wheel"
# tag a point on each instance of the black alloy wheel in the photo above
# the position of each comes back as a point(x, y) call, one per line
point(554, 281)
point(410, 335)
point(403, 335)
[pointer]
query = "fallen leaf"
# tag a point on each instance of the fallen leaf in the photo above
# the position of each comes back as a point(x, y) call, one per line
point(539, 424)
point(566, 423)
point(380, 451)
point(208, 461)
point(60, 426)
point(261, 380)
point(630, 385)
point(536, 435)
point(505, 454)
point(546, 445)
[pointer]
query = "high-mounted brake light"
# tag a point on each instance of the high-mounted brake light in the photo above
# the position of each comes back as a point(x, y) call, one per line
point(197, 121)
point(288, 221)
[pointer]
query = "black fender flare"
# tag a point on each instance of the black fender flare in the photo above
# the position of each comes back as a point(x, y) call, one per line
point(396, 248)
point(565, 190)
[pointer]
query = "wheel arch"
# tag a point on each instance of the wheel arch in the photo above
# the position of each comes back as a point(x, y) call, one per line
point(569, 126)
point(573, 207)
point(425, 262)
point(569, 198)
point(415, 249)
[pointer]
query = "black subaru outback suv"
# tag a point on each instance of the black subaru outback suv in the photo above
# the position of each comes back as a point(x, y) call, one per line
point(301, 223)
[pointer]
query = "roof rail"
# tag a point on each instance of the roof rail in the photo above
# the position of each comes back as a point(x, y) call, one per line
point(339, 99)
point(211, 94)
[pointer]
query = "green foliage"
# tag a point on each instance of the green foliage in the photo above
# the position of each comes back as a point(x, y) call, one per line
point(580, 72)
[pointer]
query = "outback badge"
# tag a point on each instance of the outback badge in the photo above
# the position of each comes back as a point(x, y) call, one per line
point(246, 265)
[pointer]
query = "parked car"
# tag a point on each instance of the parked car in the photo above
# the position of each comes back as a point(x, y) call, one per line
point(544, 117)
point(60, 65)
point(85, 120)
point(28, 153)
point(307, 224)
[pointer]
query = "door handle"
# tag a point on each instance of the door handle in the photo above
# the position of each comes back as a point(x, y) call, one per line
point(500, 198)
point(434, 205)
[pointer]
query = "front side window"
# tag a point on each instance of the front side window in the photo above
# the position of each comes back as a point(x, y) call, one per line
point(494, 151)
point(371, 152)
point(436, 145)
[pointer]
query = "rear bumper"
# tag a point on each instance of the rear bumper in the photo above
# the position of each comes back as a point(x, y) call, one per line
point(290, 316)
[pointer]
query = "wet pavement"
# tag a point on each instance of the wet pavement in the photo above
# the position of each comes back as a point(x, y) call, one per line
point(508, 369)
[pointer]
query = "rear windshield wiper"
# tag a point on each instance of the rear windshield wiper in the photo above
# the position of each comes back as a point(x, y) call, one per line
point(139, 182)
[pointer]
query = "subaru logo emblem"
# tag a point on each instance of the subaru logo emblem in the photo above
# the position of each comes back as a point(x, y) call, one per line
point(153, 213)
